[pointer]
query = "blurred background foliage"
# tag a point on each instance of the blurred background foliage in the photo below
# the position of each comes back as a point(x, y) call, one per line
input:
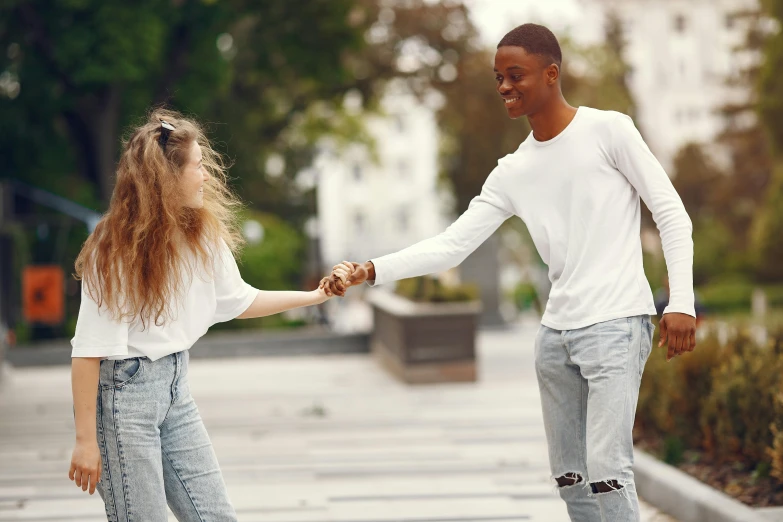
point(271, 79)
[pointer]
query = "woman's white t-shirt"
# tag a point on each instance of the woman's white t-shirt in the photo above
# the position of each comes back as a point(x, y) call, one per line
point(208, 299)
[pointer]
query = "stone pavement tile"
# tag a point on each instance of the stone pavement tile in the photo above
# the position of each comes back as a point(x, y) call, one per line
point(650, 514)
point(546, 510)
point(77, 508)
point(298, 515)
point(458, 509)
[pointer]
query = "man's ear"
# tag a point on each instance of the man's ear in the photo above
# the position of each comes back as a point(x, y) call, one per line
point(552, 74)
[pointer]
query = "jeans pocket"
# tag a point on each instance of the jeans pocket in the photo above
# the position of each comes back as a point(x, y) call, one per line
point(126, 371)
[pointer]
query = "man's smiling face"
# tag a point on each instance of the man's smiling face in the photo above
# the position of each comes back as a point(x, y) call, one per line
point(524, 80)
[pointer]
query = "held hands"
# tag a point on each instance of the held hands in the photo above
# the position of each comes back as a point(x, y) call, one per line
point(345, 275)
point(679, 332)
point(86, 465)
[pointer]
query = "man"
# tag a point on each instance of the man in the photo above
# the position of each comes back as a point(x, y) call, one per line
point(576, 182)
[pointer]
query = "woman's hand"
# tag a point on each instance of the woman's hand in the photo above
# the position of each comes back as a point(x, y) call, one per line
point(86, 465)
point(320, 292)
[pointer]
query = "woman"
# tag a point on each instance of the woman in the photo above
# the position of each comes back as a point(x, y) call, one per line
point(156, 273)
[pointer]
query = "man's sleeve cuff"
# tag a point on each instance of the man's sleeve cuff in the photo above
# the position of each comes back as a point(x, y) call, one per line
point(679, 309)
point(379, 279)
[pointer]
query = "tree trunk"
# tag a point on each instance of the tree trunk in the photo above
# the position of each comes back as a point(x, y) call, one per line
point(93, 131)
point(105, 135)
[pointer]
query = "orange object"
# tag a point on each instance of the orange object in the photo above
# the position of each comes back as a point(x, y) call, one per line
point(43, 294)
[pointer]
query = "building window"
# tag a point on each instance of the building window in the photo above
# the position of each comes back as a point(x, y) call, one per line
point(403, 168)
point(403, 219)
point(679, 23)
point(357, 172)
point(359, 223)
point(730, 20)
point(400, 122)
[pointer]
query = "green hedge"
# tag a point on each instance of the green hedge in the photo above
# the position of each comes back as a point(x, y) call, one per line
point(525, 297)
point(427, 289)
point(736, 296)
point(723, 399)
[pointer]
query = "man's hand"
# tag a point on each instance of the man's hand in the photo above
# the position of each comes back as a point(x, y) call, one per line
point(347, 274)
point(679, 332)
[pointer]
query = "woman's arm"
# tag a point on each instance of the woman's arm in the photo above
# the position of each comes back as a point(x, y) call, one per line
point(270, 303)
point(86, 460)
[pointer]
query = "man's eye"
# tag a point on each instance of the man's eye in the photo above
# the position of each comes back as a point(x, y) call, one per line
point(516, 78)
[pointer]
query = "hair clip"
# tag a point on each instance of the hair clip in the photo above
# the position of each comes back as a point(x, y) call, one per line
point(165, 132)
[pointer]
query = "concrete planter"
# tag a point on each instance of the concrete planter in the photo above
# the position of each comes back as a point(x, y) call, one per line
point(686, 498)
point(425, 342)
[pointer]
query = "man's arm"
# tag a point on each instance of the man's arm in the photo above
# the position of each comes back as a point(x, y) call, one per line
point(635, 161)
point(446, 250)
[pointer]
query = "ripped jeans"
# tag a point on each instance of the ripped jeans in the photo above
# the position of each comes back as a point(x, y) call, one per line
point(589, 382)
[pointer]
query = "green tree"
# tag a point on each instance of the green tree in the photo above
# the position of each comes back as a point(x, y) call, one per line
point(699, 182)
point(742, 193)
point(768, 227)
point(768, 231)
point(273, 264)
point(74, 74)
point(724, 201)
point(770, 101)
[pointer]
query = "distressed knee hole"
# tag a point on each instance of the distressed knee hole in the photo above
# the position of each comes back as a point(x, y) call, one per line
point(605, 486)
point(569, 479)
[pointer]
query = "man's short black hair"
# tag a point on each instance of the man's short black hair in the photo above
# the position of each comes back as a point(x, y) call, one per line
point(535, 39)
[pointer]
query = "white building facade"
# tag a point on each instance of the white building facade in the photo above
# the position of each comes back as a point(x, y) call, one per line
point(682, 52)
point(377, 200)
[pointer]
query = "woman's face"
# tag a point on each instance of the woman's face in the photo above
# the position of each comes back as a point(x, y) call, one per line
point(193, 178)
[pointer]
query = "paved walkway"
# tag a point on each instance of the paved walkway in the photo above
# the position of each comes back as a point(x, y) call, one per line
point(327, 438)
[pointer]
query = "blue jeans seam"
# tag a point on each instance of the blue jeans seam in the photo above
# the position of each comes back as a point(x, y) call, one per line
point(111, 502)
point(171, 405)
point(173, 393)
point(618, 440)
point(582, 428)
point(184, 486)
point(121, 460)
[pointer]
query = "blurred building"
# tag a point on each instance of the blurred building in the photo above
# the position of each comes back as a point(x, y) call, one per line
point(374, 200)
point(681, 53)
point(379, 198)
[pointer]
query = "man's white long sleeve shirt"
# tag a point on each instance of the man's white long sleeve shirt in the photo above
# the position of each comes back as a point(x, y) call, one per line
point(578, 194)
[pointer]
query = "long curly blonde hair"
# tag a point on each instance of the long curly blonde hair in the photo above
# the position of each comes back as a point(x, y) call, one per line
point(146, 247)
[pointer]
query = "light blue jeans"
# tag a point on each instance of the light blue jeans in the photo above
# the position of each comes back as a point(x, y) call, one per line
point(589, 381)
point(154, 446)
